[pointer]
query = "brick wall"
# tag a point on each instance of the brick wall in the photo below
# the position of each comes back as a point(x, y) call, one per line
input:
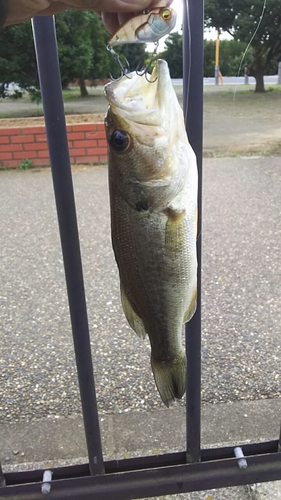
point(86, 141)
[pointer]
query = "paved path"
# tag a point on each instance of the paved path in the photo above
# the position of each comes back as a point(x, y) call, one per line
point(241, 303)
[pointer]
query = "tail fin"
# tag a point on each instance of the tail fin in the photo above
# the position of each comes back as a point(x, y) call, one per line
point(170, 378)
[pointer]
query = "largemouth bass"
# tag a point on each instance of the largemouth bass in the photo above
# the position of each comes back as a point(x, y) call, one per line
point(153, 201)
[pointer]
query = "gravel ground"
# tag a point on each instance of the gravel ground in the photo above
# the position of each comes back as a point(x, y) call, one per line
point(241, 294)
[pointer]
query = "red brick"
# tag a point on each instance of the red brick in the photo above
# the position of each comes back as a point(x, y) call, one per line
point(6, 156)
point(75, 136)
point(80, 127)
point(10, 163)
point(11, 147)
point(22, 138)
point(5, 140)
point(10, 131)
point(97, 151)
point(40, 129)
point(35, 146)
point(92, 143)
point(43, 154)
point(41, 138)
point(102, 143)
point(25, 155)
point(85, 159)
point(82, 144)
point(89, 159)
point(95, 134)
point(101, 126)
point(78, 152)
point(41, 162)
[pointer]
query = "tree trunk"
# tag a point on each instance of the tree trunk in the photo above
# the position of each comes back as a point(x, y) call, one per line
point(259, 82)
point(83, 89)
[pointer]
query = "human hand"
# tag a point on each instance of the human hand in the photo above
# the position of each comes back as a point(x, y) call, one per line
point(113, 12)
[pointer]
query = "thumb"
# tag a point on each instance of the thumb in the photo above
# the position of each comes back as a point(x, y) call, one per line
point(123, 5)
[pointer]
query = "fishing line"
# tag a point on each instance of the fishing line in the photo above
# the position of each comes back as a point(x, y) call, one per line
point(249, 44)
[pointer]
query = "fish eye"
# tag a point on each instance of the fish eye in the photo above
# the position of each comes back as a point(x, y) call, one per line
point(166, 13)
point(119, 140)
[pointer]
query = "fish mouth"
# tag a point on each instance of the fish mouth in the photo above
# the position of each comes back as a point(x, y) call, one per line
point(143, 99)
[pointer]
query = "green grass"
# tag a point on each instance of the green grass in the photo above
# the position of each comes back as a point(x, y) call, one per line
point(74, 93)
point(240, 89)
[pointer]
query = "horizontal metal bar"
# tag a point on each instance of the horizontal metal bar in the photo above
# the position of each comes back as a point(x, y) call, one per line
point(164, 474)
point(147, 462)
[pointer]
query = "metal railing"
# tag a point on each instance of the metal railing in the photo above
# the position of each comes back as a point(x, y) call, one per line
point(139, 477)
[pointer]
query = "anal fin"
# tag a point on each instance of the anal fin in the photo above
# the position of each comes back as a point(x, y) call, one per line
point(133, 319)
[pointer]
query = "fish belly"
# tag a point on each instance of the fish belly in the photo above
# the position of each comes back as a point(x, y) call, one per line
point(156, 258)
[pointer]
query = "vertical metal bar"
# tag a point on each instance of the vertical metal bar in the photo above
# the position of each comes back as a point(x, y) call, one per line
point(50, 82)
point(2, 477)
point(193, 30)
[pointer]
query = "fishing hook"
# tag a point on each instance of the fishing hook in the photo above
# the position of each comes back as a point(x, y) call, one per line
point(153, 58)
point(124, 70)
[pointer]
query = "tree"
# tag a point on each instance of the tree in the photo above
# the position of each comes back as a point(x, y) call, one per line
point(82, 41)
point(101, 58)
point(135, 55)
point(231, 53)
point(173, 54)
point(17, 58)
point(241, 18)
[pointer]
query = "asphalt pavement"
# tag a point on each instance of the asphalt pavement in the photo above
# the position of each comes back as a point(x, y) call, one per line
point(241, 312)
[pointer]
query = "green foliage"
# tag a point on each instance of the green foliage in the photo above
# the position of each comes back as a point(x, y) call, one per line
point(35, 95)
point(101, 58)
point(17, 58)
point(26, 164)
point(173, 54)
point(135, 55)
point(17, 94)
point(241, 18)
point(82, 40)
point(231, 53)
point(74, 45)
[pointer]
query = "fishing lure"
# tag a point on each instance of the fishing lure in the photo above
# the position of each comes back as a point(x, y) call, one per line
point(146, 27)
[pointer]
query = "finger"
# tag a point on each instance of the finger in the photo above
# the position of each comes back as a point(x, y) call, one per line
point(108, 5)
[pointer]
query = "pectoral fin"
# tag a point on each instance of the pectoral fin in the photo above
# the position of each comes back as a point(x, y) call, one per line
point(175, 234)
point(133, 319)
